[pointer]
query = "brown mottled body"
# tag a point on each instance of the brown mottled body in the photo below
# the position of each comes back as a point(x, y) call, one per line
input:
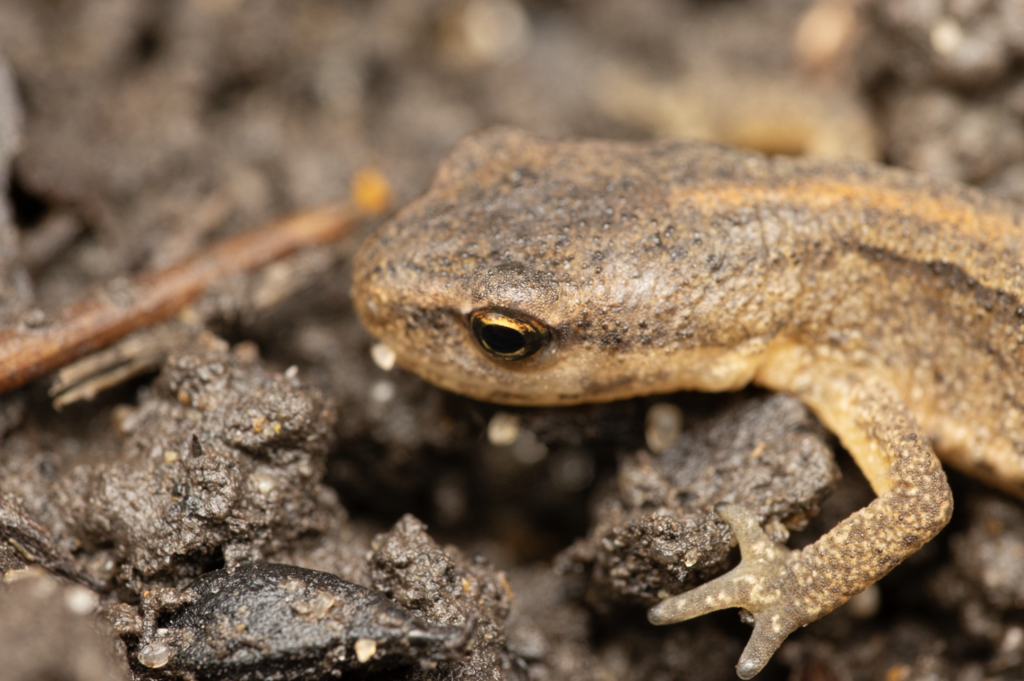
point(889, 302)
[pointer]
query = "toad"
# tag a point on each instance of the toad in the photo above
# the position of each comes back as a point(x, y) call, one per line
point(553, 273)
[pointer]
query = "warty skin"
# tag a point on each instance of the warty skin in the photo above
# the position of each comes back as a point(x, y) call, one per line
point(889, 302)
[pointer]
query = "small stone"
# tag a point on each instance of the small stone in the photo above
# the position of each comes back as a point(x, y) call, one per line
point(155, 655)
point(80, 600)
point(866, 604)
point(382, 392)
point(383, 356)
point(946, 36)
point(264, 482)
point(365, 649)
point(503, 429)
point(662, 426)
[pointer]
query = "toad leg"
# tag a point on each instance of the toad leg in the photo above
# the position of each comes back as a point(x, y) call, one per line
point(784, 590)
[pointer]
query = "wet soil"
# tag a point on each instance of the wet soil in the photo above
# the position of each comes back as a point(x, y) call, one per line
point(526, 542)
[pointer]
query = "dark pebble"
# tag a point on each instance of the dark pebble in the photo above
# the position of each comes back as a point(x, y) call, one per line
point(283, 623)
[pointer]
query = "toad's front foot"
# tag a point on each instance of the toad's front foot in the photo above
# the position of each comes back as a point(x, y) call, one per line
point(767, 584)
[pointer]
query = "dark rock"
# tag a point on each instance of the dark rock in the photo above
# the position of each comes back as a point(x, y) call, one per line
point(279, 622)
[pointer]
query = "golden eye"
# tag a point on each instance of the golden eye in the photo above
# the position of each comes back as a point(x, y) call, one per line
point(506, 337)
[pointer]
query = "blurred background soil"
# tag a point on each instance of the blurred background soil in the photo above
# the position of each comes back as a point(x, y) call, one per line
point(133, 134)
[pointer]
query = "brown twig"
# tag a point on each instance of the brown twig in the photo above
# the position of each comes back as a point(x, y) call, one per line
point(98, 321)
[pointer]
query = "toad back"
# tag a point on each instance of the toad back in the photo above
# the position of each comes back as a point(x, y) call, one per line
point(553, 273)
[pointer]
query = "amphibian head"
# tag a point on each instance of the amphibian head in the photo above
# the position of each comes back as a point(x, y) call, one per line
point(552, 273)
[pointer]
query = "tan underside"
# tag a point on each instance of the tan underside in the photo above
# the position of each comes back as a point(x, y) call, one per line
point(822, 383)
point(790, 367)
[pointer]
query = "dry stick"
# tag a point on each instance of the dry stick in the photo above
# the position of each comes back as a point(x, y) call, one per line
point(99, 321)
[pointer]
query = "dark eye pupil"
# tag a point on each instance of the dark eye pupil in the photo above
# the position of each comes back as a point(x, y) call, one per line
point(508, 337)
point(502, 339)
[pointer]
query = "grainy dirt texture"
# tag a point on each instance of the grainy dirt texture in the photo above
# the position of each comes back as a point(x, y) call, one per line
point(656, 533)
point(134, 134)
